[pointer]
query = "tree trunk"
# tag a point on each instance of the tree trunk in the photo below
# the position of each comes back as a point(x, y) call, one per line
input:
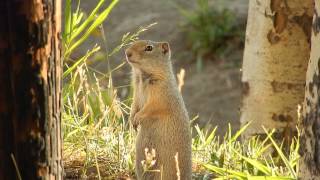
point(275, 61)
point(310, 125)
point(30, 89)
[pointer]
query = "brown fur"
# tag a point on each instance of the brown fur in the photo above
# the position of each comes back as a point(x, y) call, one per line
point(159, 110)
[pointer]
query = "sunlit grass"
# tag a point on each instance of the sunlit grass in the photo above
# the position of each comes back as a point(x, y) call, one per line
point(254, 158)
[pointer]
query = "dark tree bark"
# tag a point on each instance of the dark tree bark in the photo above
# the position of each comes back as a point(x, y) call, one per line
point(30, 89)
point(310, 125)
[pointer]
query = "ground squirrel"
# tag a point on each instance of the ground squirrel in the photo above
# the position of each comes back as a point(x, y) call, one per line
point(159, 110)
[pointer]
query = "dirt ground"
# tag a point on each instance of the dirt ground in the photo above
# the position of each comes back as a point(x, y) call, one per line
point(213, 93)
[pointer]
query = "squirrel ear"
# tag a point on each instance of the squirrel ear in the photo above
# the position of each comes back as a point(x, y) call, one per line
point(165, 47)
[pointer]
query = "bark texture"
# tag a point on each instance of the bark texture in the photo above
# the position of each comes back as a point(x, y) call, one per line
point(275, 62)
point(30, 84)
point(310, 125)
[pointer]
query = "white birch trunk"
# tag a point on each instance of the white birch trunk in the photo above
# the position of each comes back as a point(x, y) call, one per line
point(275, 62)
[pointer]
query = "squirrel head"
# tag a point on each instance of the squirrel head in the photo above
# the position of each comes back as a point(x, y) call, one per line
point(149, 55)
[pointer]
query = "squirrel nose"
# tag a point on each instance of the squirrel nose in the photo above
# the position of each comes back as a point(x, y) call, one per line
point(128, 53)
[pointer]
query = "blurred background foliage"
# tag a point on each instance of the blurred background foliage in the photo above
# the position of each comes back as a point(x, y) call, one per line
point(210, 30)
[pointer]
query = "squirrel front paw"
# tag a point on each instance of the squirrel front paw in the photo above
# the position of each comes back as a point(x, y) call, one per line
point(136, 121)
point(131, 120)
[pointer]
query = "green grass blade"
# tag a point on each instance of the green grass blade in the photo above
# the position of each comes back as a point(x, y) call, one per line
point(67, 20)
point(222, 171)
point(238, 133)
point(87, 21)
point(269, 178)
point(263, 149)
point(76, 64)
point(76, 130)
point(93, 26)
point(200, 134)
point(283, 157)
point(210, 137)
point(255, 164)
point(76, 19)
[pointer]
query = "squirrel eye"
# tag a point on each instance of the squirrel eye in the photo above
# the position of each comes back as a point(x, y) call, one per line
point(148, 48)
